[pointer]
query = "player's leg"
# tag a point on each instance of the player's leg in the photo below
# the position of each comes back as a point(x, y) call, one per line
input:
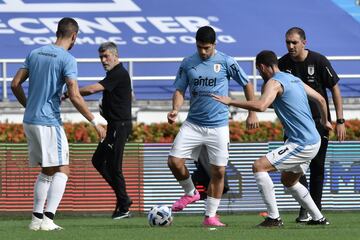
point(317, 173)
point(187, 145)
point(217, 143)
point(115, 165)
point(261, 167)
point(55, 164)
point(302, 196)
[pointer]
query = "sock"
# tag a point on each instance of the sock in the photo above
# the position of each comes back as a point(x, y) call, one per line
point(212, 205)
point(56, 192)
point(303, 197)
point(41, 189)
point(266, 188)
point(188, 186)
point(49, 215)
point(38, 215)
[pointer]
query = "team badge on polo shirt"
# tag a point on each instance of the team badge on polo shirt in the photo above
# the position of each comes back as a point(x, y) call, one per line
point(311, 70)
point(217, 67)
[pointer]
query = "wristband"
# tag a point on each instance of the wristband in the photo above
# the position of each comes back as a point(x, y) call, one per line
point(95, 121)
point(340, 121)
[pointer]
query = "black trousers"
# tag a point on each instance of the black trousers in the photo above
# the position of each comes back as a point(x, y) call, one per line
point(317, 169)
point(108, 159)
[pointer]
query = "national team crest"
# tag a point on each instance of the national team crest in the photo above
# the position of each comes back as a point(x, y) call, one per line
point(311, 70)
point(217, 68)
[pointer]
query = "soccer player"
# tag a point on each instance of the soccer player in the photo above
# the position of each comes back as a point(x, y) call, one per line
point(49, 68)
point(206, 72)
point(116, 109)
point(288, 95)
point(316, 71)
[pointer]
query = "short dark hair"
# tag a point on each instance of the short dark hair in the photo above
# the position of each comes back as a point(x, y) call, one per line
point(206, 34)
point(297, 30)
point(266, 57)
point(66, 27)
point(109, 46)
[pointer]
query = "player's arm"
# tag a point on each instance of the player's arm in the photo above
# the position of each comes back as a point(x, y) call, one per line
point(177, 102)
point(321, 103)
point(16, 85)
point(271, 89)
point(252, 120)
point(79, 103)
point(337, 99)
point(91, 89)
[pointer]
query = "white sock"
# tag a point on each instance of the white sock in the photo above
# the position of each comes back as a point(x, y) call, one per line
point(56, 191)
point(188, 186)
point(302, 195)
point(41, 189)
point(212, 205)
point(266, 188)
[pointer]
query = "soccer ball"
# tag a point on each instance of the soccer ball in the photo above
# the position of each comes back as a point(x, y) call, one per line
point(160, 216)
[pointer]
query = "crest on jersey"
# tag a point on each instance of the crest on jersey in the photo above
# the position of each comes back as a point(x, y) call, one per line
point(217, 68)
point(311, 70)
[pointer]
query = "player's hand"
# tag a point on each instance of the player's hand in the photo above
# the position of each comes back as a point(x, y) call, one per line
point(172, 116)
point(340, 131)
point(252, 121)
point(223, 99)
point(101, 132)
point(327, 125)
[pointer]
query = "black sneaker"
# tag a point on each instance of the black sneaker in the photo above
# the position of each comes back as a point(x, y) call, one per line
point(271, 222)
point(303, 217)
point(321, 221)
point(120, 215)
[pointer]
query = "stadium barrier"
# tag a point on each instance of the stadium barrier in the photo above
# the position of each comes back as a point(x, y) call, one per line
point(149, 181)
point(153, 77)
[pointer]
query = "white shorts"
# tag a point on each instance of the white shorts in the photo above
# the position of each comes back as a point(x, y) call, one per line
point(47, 145)
point(292, 157)
point(191, 137)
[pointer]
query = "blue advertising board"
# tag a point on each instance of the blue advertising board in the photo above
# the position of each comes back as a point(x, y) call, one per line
point(164, 28)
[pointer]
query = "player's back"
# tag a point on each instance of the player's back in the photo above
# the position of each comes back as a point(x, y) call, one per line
point(293, 110)
point(47, 66)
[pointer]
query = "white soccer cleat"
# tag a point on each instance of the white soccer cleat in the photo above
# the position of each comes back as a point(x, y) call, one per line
point(35, 223)
point(49, 225)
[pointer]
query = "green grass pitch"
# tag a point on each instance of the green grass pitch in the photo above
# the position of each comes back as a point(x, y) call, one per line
point(344, 226)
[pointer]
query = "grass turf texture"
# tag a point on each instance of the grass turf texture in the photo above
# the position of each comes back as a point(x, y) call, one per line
point(344, 226)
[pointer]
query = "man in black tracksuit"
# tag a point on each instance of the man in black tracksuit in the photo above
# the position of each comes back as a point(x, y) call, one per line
point(316, 71)
point(116, 109)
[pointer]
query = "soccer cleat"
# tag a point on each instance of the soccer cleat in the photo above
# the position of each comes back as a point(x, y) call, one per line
point(35, 223)
point(180, 204)
point(321, 221)
point(303, 217)
point(120, 215)
point(271, 222)
point(49, 225)
point(213, 222)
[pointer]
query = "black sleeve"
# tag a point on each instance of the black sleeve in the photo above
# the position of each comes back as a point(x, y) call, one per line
point(109, 82)
point(328, 74)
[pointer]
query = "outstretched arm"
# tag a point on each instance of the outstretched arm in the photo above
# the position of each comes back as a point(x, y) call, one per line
point(271, 89)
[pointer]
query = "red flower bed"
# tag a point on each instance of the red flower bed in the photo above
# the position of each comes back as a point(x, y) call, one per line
point(165, 133)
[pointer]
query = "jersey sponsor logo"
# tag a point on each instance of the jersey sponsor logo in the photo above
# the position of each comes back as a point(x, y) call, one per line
point(217, 68)
point(311, 70)
point(205, 81)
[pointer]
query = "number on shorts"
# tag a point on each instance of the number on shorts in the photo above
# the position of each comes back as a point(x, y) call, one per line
point(282, 151)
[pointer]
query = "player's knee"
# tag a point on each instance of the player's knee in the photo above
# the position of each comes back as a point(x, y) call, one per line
point(257, 167)
point(173, 163)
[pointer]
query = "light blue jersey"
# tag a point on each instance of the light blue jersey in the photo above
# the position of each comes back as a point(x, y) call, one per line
point(293, 110)
point(206, 77)
point(47, 66)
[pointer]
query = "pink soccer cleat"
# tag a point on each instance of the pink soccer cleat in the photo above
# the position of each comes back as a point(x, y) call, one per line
point(180, 204)
point(213, 222)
